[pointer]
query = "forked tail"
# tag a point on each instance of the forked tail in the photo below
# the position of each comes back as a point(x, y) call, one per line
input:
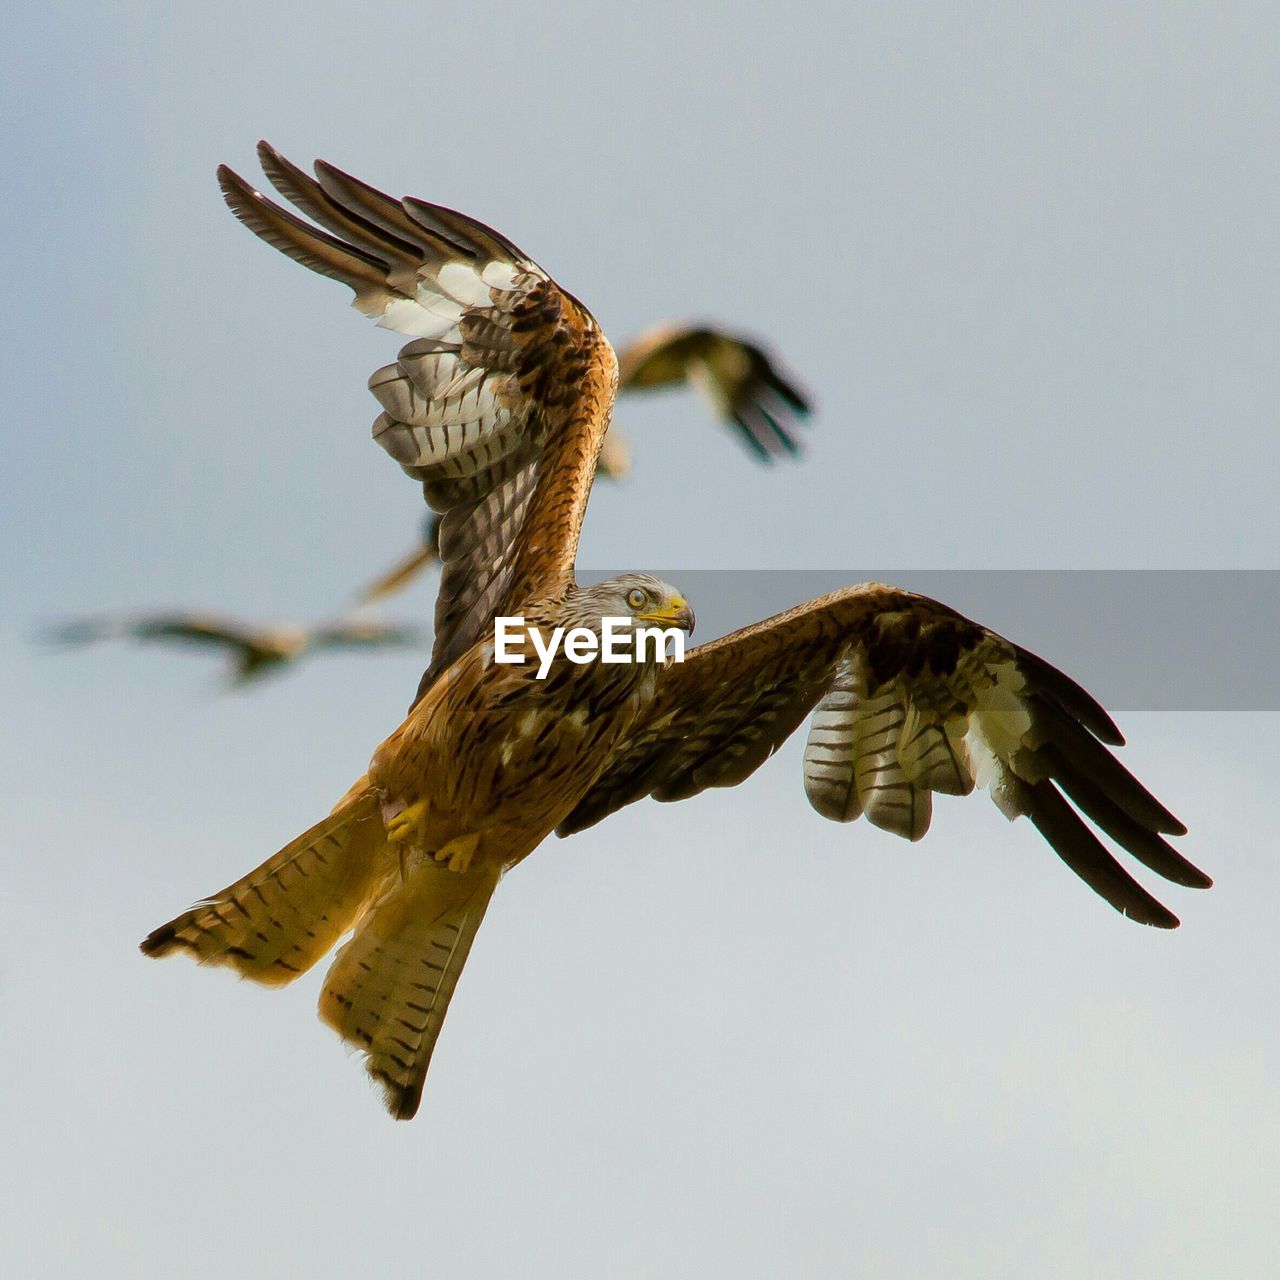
point(281, 918)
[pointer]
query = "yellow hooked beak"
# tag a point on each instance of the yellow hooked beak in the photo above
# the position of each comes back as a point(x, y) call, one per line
point(675, 613)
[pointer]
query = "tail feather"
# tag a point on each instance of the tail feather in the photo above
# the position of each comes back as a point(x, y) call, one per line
point(389, 987)
point(277, 921)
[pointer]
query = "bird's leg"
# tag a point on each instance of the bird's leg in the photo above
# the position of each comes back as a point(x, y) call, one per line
point(404, 829)
point(457, 853)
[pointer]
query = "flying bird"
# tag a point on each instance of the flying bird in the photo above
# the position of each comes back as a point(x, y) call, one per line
point(253, 651)
point(742, 382)
point(499, 405)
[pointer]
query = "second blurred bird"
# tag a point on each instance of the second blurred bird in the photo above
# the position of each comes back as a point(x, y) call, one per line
point(252, 651)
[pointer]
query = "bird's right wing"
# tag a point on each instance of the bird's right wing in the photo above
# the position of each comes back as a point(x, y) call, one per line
point(498, 405)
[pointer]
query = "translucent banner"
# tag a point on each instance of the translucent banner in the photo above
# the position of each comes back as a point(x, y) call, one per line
point(1138, 640)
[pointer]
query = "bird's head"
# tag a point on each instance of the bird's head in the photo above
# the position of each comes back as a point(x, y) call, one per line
point(647, 600)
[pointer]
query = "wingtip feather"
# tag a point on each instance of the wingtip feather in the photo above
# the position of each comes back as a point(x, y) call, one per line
point(159, 942)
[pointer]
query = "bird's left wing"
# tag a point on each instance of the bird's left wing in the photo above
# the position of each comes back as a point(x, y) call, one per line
point(911, 699)
point(498, 405)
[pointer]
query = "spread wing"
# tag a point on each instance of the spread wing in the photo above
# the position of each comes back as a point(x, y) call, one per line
point(498, 405)
point(743, 381)
point(911, 699)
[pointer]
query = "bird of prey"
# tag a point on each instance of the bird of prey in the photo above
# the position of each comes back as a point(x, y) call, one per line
point(741, 381)
point(499, 404)
point(253, 651)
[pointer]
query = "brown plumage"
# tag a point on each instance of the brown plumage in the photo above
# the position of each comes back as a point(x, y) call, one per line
point(499, 407)
point(253, 651)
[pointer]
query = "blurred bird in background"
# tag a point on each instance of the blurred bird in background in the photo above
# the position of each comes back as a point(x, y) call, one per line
point(252, 651)
point(740, 380)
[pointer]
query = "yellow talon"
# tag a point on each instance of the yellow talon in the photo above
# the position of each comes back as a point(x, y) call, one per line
point(406, 825)
point(458, 853)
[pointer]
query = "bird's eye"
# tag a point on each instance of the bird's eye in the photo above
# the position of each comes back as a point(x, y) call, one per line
point(636, 597)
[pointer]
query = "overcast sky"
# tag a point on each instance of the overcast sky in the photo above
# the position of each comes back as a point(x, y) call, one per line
point(1026, 258)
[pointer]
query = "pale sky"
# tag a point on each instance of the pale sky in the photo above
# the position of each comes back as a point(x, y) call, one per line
point(1025, 256)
